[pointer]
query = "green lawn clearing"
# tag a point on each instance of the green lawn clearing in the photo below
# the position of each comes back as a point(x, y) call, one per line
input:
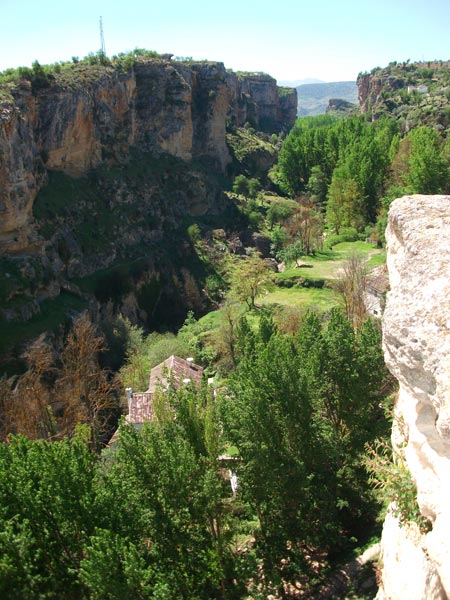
point(326, 265)
point(308, 298)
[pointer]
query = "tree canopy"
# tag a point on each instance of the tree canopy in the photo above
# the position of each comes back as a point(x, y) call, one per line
point(154, 516)
point(350, 164)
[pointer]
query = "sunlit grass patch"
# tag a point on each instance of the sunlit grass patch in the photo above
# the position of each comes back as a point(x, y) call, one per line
point(309, 298)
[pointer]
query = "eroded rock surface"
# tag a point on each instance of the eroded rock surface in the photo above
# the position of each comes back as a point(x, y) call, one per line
point(97, 118)
point(416, 336)
point(101, 165)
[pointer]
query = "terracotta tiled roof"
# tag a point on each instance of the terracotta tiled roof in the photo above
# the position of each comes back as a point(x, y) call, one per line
point(140, 407)
point(176, 369)
point(179, 370)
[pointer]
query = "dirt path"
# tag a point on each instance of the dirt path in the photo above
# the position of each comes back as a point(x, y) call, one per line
point(338, 272)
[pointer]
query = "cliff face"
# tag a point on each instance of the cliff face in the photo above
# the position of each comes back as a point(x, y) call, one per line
point(102, 170)
point(158, 106)
point(258, 100)
point(371, 87)
point(416, 331)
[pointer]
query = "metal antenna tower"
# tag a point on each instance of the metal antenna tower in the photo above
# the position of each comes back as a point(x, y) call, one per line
point(102, 40)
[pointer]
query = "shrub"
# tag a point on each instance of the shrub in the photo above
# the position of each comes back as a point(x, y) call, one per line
point(193, 232)
point(394, 485)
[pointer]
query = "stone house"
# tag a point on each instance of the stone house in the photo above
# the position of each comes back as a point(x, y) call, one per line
point(174, 371)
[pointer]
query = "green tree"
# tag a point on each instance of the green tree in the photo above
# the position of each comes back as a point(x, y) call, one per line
point(249, 277)
point(317, 185)
point(268, 417)
point(345, 375)
point(194, 233)
point(47, 501)
point(278, 237)
point(254, 186)
point(320, 149)
point(148, 519)
point(304, 148)
point(152, 350)
point(428, 170)
point(241, 185)
point(291, 253)
point(300, 410)
point(344, 200)
point(173, 521)
point(277, 213)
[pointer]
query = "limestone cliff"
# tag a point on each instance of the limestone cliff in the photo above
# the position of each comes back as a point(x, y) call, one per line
point(103, 168)
point(373, 87)
point(96, 117)
point(416, 335)
point(258, 100)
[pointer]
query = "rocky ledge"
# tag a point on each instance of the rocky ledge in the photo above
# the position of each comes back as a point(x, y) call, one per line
point(415, 564)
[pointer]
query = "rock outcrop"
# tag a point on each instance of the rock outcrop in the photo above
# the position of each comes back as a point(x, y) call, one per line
point(96, 116)
point(371, 88)
point(339, 106)
point(416, 335)
point(259, 101)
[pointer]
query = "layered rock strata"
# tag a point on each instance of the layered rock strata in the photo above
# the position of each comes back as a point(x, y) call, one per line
point(416, 335)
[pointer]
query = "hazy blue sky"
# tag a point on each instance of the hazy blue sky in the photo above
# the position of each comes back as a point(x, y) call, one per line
point(332, 40)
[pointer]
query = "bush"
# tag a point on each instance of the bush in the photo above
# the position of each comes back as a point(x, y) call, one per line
point(394, 485)
point(194, 234)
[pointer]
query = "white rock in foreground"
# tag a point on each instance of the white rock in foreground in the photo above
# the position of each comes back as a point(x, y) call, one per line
point(416, 338)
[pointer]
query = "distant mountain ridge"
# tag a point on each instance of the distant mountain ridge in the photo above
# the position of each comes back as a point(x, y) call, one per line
point(313, 98)
point(296, 82)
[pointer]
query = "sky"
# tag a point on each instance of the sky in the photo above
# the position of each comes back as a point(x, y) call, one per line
point(330, 40)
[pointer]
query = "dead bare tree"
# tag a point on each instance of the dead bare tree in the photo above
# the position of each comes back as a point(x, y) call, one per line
point(86, 392)
point(352, 287)
point(27, 401)
point(306, 225)
point(48, 401)
point(225, 336)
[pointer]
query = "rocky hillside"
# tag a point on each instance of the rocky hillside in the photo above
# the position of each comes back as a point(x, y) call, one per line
point(415, 548)
point(414, 93)
point(102, 165)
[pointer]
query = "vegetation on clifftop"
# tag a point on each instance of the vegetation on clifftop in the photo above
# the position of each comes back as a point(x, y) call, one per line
point(78, 72)
point(413, 93)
